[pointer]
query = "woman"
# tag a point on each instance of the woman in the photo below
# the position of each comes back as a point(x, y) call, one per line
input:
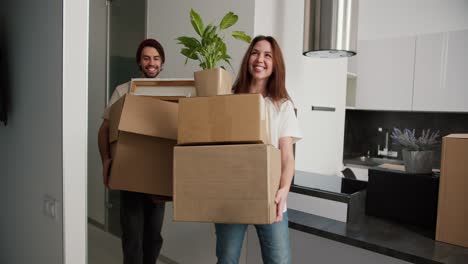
point(263, 71)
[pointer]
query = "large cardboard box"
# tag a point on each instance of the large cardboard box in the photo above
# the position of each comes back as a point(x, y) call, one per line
point(452, 215)
point(226, 183)
point(238, 118)
point(143, 132)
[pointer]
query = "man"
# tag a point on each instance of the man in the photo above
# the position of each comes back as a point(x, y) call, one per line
point(141, 215)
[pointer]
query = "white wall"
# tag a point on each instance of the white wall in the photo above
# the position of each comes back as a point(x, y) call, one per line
point(319, 82)
point(31, 144)
point(74, 100)
point(385, 19)
point(168, 20)
point(42, 151)
point(97, 102)
point(265, 17)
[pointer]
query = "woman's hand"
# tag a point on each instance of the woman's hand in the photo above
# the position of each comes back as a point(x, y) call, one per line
point(280, 200)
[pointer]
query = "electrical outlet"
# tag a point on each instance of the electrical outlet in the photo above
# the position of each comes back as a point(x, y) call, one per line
point(50, 207)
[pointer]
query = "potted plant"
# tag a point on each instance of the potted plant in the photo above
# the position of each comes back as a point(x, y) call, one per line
point(417, 151)
point(209, 50)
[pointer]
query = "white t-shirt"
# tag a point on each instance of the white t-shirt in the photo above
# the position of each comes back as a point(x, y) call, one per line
point(119, 91)
point(283, 121)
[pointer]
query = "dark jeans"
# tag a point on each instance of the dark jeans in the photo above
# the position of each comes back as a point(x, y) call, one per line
point(141, 221)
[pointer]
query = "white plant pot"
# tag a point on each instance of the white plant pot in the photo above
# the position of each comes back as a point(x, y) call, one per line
point(213, 82)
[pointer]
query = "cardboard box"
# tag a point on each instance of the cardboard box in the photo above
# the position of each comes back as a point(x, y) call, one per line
point(238, 118)
point(142, 136)
point(452, 215)
point(226, 183)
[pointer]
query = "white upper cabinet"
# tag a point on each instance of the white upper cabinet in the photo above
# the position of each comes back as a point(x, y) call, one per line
point(456, 72)
point(424, 73)
point(429, 92)
point(441, 72)
point(385, 70)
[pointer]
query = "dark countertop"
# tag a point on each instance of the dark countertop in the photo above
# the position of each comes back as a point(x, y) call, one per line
point(333, 188)
point(381, 236)
point(365, 162)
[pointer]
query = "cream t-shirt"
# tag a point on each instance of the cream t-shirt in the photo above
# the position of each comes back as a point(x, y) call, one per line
point(119, 91)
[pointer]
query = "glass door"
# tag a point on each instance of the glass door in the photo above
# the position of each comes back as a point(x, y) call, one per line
point(126, 29)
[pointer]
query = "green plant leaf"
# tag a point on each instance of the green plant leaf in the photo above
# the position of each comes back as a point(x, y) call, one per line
point(209, 34)
point(210, 49)
point(189, 42)
point(197, 22)
point(203, 66)
point(189, 54)
point(223, 48)
point(240, 35)
point(228, 20)
point(227, 59)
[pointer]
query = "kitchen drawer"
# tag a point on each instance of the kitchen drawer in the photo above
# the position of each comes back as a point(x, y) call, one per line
point(405, 198)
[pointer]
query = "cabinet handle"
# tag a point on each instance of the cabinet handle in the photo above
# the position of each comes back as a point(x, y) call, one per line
point(323, 108)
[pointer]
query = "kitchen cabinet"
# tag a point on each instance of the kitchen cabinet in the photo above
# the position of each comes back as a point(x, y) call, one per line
point(385, 69)
point(415, 73)
point(321, 115)
point(440, 79)
point(456, 72)
point(429, 94)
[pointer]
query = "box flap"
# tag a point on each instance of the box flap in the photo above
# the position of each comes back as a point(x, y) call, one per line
point(142, 164)
point(457, 136)
point(114, 119)
point(145, 116)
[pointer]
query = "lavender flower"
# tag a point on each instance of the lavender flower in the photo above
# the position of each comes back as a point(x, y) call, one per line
point(408, 140)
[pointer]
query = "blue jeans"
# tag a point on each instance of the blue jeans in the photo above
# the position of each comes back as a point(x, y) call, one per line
point(274, 242)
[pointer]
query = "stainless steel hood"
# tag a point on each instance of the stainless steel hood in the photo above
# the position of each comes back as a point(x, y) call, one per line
point(330, 28)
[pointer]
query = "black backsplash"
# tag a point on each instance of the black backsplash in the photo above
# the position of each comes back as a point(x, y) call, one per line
point(362, 135)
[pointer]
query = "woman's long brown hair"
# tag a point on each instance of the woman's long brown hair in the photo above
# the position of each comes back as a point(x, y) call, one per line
point(276, 85)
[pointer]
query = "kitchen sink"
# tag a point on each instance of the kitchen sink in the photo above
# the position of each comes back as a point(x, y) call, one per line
point(384, 160)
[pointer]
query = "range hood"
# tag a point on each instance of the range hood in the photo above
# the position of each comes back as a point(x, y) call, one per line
point(330, 28)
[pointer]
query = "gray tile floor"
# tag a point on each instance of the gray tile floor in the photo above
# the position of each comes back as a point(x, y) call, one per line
point(104, 248)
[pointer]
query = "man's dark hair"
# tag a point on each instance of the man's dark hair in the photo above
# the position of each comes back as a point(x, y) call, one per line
point(150, 43)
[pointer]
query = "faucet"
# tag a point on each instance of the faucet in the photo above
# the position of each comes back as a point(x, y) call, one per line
point(385, 152)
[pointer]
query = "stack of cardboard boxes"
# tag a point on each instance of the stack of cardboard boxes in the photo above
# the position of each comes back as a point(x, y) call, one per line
point(224, 169)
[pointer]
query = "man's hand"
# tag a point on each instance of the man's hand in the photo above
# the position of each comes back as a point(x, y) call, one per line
point(280, 200)
point(106, 164)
